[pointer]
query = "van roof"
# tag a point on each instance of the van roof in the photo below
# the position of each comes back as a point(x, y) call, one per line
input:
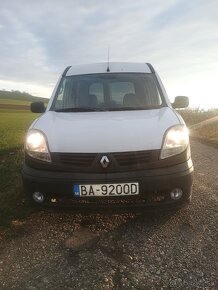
point(114, 67)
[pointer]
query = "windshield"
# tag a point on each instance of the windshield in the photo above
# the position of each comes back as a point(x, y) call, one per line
point(107, 92)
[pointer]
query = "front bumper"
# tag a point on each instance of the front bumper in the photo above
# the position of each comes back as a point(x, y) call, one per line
point(155, 186)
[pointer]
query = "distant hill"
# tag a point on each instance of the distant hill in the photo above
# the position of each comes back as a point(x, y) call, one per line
point(19, 96)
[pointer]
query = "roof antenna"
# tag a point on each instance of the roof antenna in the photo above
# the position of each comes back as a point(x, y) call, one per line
point(108, 56)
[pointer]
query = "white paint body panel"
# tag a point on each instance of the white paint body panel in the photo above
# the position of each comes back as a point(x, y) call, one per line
point(102, 132)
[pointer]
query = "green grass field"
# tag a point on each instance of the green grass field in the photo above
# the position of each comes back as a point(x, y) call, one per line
point(13, 125)
point(14, 102)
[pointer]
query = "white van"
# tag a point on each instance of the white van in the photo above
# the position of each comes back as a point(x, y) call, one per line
point(109, 138)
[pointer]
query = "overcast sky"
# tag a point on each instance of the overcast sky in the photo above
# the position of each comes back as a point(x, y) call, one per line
point(38, 39)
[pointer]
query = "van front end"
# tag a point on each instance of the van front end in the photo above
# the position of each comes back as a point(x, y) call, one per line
point(108, 139)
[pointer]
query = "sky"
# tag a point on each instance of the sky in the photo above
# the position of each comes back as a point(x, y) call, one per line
point(38, 39)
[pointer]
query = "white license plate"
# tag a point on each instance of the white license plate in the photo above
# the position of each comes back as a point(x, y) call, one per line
point(107, 190)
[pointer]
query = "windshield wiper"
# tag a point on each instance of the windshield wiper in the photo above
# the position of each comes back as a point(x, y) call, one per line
point(85, 109)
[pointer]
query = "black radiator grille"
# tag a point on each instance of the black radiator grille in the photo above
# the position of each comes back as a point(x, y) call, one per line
point(78, 160)
point(132, 158)
point(117, 160)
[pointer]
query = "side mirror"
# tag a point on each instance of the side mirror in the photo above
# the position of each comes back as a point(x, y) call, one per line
point(180, 102)
point(37, 107)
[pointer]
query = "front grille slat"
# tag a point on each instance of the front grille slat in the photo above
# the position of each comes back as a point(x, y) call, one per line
point(90, 162)
point(138, 158)
point(75, 159)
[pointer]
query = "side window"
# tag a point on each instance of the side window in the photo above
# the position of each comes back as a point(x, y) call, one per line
point(120, 89)
point(97, 89)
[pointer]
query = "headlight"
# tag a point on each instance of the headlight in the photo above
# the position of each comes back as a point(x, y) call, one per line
point(36, 145)
point(175, 142)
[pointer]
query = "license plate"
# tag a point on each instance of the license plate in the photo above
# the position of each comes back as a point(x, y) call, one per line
point(107, 190)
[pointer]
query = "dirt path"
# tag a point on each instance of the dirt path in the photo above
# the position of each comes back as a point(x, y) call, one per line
point(165, 251)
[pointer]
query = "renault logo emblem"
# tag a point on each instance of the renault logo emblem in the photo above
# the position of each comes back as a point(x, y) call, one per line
point(104, 161)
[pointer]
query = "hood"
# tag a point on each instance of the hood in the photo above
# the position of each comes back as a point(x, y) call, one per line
point(104, 132)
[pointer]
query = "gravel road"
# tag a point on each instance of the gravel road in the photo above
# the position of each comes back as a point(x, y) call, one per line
point(126, 251)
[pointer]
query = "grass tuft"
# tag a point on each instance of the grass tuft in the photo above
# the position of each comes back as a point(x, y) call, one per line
point(203, 125)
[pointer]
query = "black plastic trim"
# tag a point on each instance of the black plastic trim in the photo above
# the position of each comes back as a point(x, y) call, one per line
point(66, 70)
point(150, 173)
point(154, 162)
point(152, 183)
point(151, 67)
